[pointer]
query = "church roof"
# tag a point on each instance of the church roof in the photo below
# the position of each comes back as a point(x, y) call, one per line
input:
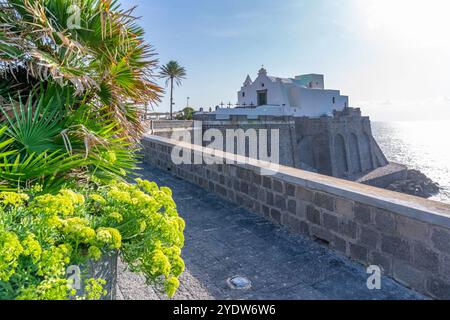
point(248, 81)
point(283, 80)
point(287, 81)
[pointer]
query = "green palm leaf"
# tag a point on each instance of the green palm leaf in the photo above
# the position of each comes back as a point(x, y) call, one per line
point(48, 169)
point(105, 59)
point(34, 126)
point(71, 98)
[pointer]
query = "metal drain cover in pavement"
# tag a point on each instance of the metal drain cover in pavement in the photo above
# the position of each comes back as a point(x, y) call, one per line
point(239, 283)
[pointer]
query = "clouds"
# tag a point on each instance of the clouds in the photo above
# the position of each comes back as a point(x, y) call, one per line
point(392, 54)
point(435, 108)
point(412, 23)
point(243, 19)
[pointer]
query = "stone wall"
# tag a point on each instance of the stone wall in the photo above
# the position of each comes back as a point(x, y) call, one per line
point(288, 150)
point(340, 146)
point(408, 237)
point(165, 128)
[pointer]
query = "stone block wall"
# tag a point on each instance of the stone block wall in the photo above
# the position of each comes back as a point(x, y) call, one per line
point(288, 150)
point(408, 237)
point(165, 128)
point(341, 146)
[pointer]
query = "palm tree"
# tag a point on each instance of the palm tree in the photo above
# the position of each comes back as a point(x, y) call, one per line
point(172, 71)
point(105, 63)
point(71, 93)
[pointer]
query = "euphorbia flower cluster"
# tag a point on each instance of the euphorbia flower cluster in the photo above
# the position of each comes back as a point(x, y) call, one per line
point(41, 235)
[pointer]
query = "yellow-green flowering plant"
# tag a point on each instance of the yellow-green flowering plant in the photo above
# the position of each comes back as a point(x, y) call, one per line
point(42, 235)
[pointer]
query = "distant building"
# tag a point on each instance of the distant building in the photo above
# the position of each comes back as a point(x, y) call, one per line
point(160, 115)
point(301, 96)
point(318, 130)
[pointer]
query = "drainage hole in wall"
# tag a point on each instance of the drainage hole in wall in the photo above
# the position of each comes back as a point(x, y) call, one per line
point(322, 241)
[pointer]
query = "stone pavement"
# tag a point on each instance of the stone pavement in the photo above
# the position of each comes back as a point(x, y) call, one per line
point(224, 240)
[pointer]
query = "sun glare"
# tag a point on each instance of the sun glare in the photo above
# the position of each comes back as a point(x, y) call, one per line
point(425, 23)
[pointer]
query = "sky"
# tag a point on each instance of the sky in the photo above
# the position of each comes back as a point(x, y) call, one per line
point(391, 57)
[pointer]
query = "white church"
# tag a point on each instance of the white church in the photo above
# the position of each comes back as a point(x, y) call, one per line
point(301, 96)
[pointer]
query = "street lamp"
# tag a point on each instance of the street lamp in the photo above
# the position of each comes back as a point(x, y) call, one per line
point(170, 115)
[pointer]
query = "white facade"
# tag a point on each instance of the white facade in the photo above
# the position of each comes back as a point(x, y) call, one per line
point(303, 95)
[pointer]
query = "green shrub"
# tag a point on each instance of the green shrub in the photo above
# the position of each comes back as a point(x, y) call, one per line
point(70, 107)
point(186, 114)
point(72, 92)
point(42, 235)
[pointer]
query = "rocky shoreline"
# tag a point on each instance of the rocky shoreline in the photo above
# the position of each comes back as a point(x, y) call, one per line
point(416, 184)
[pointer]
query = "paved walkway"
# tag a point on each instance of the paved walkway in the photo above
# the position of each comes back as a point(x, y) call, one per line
point(224, 240)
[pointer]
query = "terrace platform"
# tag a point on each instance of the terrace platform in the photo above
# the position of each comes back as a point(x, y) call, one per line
point(224, 240)
point(383, 176)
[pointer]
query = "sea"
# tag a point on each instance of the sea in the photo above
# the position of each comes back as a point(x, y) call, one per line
point(424, 146)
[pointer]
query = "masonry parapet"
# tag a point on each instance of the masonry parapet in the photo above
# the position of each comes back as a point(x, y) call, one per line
point(408, 237)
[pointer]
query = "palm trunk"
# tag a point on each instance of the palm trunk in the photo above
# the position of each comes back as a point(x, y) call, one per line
point(171, 97)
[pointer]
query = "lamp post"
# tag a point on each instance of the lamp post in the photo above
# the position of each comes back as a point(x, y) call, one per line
point(171, 108)
point(187, 102)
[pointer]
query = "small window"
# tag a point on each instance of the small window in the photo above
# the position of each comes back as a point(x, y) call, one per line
point(334, 100)
point(243, 94)
point(262, 85)
point(310, 84)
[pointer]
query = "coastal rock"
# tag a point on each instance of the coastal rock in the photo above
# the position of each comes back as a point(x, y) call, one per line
point(416, 184)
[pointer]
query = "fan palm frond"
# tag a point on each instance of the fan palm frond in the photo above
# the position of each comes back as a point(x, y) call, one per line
point(47, 169)
point(33, 126)
point(105, 57)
